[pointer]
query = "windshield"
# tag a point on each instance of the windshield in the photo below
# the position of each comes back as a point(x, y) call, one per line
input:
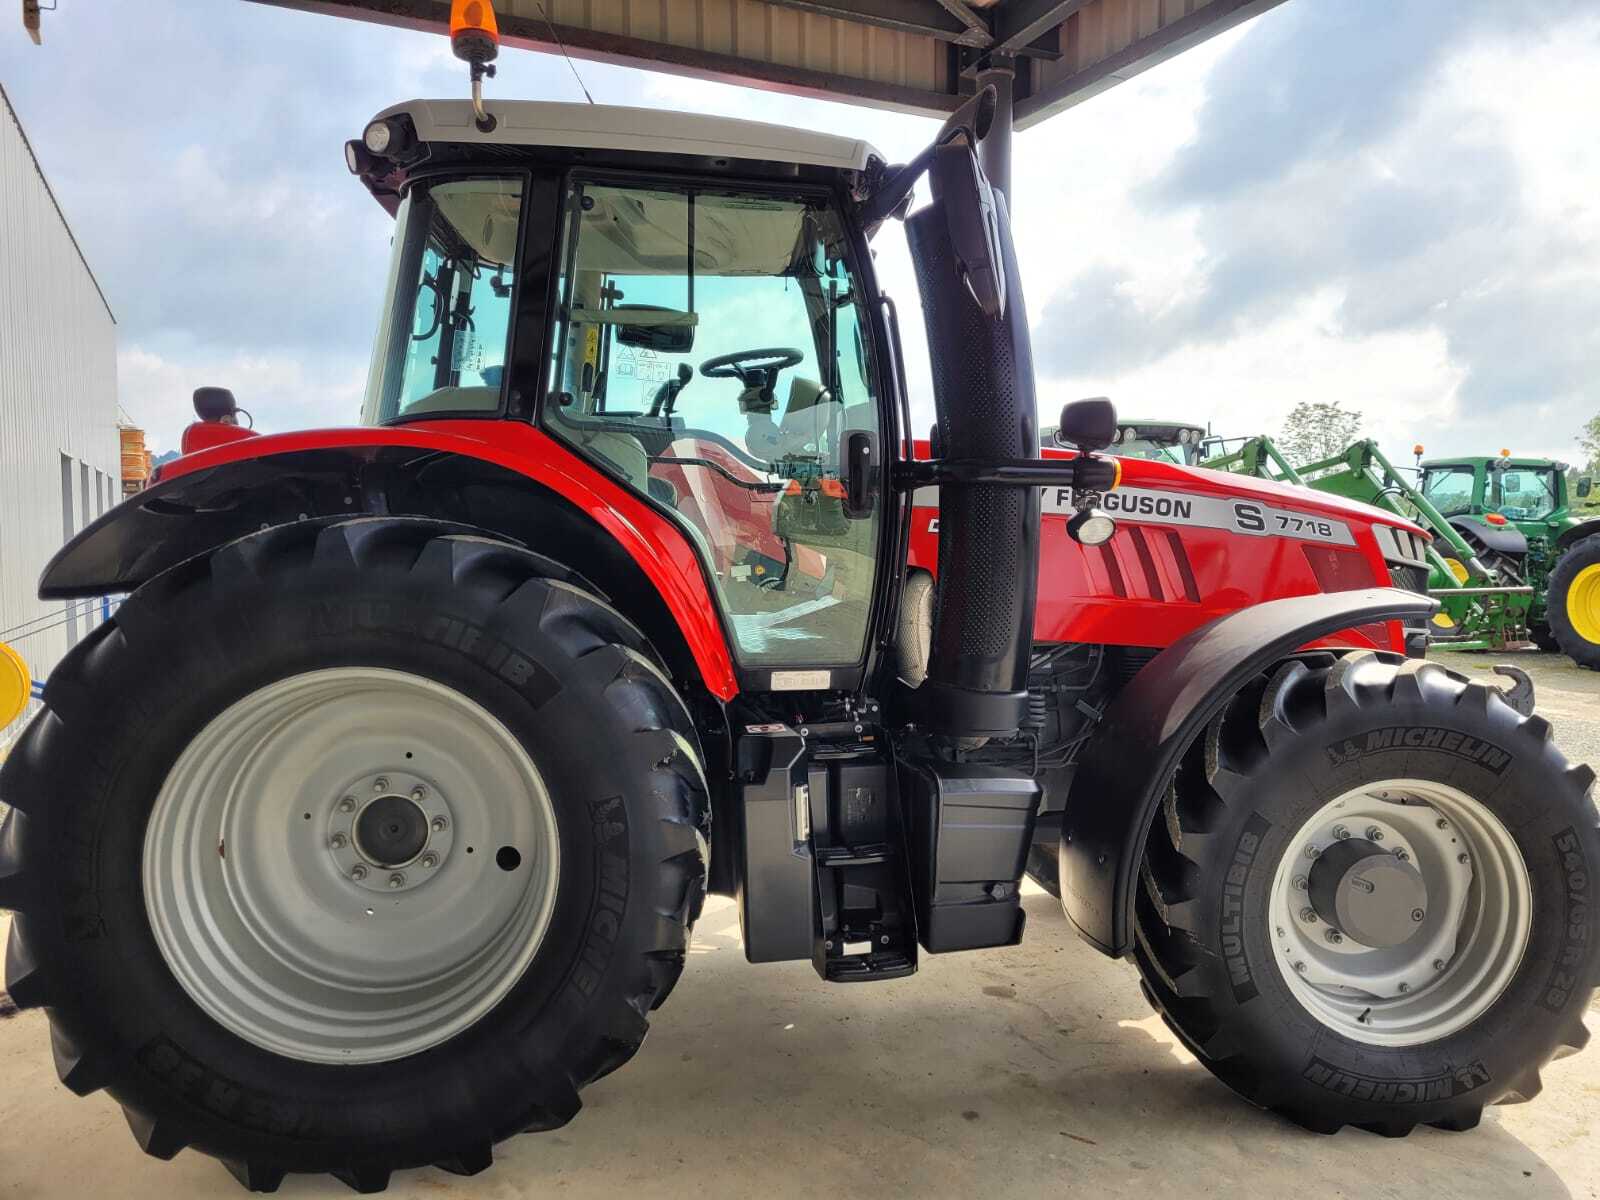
point(441, 345)
point(1523, 493)
point(1159, 449)
point(710, 355)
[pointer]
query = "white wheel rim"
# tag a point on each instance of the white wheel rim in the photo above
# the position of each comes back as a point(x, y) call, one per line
point(1469, 941)
point(285, 929)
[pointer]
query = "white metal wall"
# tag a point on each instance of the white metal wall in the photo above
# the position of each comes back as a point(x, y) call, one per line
point(58, 404)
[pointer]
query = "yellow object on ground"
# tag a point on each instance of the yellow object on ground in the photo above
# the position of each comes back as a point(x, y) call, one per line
point(16, 685)
point(1583, 604)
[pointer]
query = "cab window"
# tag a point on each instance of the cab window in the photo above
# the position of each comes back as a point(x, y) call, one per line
point(441, 346)
point(1523, 493)
point(1449, 489)
point(709, 354)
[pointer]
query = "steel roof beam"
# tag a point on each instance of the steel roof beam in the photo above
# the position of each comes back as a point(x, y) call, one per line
point(931, 18)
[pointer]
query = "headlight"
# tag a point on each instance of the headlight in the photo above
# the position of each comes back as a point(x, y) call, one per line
point(378, 137)
point(1091, 527)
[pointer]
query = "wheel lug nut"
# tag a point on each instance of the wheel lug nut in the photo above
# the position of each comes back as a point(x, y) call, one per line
point(397, 880)
point(380, 784)
point(358, 872)
point(1417, 914)
point(1374, 834)
point(419, 793)
point(1300, 968)
point(1400, 853)
point(1334, 937)
point(440, 824)
point(348, 804)
point(1404, 988)
point(430, 860)
point(1438, 964)
point(1312, 852)
point(1463, 859)
point(1300, 884)
point(1441, 823)
point(1340, 832)
point(1309, 915)
point(338, 841)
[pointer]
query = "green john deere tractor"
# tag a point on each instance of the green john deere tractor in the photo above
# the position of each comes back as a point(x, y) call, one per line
point(1517, 515)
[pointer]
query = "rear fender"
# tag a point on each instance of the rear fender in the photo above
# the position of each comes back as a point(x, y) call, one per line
point(1127, 766)
point(1502, 539)
point(521, 485)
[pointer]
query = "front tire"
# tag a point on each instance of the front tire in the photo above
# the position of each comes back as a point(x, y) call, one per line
point(178, 856)
point(1572, 602)
point(1427, 1024)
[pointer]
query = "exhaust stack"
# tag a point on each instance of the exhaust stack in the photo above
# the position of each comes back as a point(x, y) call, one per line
point(988, 535)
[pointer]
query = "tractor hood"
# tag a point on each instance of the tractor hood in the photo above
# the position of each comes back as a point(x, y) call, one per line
point(1154, 473)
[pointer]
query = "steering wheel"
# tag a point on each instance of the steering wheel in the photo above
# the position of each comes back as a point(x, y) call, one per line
point(752, 367)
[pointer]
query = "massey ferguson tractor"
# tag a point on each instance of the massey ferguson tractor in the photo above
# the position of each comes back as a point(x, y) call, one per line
point(375, 823)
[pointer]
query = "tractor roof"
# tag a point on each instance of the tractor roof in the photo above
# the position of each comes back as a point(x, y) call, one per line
point(1479, 460)
point(632, 130)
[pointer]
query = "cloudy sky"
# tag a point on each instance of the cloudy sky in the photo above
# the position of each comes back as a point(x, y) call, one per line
point(1407, 223)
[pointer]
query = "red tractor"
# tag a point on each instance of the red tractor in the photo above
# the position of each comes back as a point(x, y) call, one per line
point(374, 824)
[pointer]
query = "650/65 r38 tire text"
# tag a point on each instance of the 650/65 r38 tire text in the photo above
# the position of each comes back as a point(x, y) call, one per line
point(1369, 898)
point(350, 848)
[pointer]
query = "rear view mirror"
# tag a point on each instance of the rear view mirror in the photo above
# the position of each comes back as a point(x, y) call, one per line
point(1088, 424)
point(974, 221)
point(1585, 486)
point(214, 404)
point(665, 330)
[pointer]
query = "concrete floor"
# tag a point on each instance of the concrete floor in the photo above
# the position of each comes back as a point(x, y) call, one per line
point(1033, 1070)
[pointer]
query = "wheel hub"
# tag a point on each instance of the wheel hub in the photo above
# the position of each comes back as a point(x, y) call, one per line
point(1399, 912)
point(390, 830)
point(1367, 893)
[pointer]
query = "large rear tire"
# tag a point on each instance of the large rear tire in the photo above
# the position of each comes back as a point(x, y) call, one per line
point(486, 800)
point(1358, 1017)
point(1572, 602)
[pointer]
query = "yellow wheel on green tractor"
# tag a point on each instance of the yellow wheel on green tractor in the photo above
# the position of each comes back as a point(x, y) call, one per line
point(16, 685)
point(1583, 603)
point(1573, 603)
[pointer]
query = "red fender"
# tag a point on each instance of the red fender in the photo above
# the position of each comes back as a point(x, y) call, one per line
point(655, 543)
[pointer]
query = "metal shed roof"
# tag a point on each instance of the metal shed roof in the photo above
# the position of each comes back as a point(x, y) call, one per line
point(914, 55)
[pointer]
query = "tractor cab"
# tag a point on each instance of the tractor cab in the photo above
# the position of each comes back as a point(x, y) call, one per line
point(1529, 491)
point(699, 326)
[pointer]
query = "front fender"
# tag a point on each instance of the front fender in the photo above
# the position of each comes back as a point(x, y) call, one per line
point(1577, 533)
point(503, 476)
point(1129, 763)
